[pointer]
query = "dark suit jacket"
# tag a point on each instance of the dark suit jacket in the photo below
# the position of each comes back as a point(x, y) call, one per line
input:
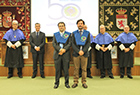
point(66, 46)
point(40, 41)
point(76, 48)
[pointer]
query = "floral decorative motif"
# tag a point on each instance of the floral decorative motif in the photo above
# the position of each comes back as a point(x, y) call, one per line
point(109, 11)
point(133, 11)
point(133, 25)
point(23, 14)
point(109, 25)
point(108, 15)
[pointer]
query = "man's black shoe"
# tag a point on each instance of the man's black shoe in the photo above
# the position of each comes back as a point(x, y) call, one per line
point(90, 77)
point(10, 76)
point(129, 76)
point(122, 76)
point(102, 76)
point(67, 86)
point(56, 86)
point(111, 77)
point(20, 76)
point(33, 76)
point(42, 76)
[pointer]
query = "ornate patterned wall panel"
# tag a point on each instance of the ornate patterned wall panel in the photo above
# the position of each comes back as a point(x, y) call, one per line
point(115, 14)
point(18, 10)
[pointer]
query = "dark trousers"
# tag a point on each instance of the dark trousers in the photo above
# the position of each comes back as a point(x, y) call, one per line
point(10, 72)
point(109, 71)
point(35, 56)
point(65, 64)
point(122, 70)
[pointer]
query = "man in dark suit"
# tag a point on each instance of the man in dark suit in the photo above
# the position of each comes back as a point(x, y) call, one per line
point(37, 42)
point(80, 45)
point(61, 44)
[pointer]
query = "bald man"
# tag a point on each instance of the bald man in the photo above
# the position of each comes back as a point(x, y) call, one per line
point(104, 43)
point(126, 43)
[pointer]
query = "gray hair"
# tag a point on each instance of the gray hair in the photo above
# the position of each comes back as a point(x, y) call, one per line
point(15, 21)
point(102, 26)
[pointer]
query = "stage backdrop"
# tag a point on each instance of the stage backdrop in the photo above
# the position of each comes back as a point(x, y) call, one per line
point(115, 14)
point(15, 10)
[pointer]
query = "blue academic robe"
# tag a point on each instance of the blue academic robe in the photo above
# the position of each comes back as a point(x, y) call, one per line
point(62, 39)
point(103, 59)
point(14, 57)
point(126, 59)
point(79, 41)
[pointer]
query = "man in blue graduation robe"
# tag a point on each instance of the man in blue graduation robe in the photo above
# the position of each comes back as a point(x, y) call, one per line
point(61, 44)
point(80, 45)
point(104, 43)
point(14, 55)
point(89, 63)
point(126, 43)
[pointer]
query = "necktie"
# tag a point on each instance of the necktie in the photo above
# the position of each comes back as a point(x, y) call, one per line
point(61, 34)
point(37, 34)
point(61, 45)
point(80, 33)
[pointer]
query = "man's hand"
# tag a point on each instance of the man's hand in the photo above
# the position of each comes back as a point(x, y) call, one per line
point(102, 48)
point(126, 49)
point(81, 53)
point(13, 46)
point(105, 49)
point(37, 48)
point(62, 50)
point(60, 53)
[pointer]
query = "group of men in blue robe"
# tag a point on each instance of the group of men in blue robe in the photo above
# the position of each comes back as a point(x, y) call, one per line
point(81, 41)
point(104, 43)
